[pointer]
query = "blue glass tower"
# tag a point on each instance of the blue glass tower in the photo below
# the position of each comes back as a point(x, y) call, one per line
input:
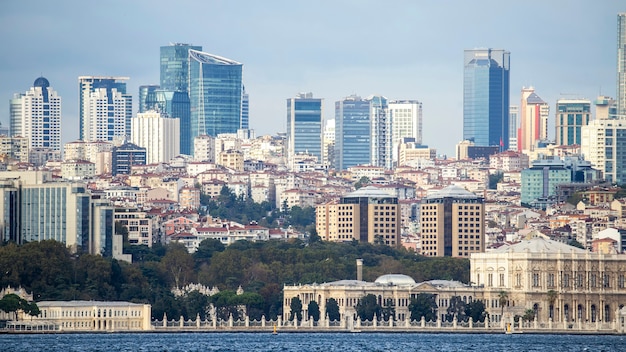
point(215, 92)
point(352, 132)
point(486, 97)
point(175, 66)
point(304, 125)
point(146, 97)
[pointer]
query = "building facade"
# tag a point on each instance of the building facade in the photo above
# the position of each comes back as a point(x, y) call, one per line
point(125, 156)
point(105, 108)
point(539, 182)
point(159, 134)
point(603, 143)
point(406, 122)
point(453, 223)
point(534, 113)
point(621, 65)
point(36, 115)
point(486, 97)
point(571, 116)
point(381, 130)
point(304, 126)
point(93, 316)
point(352, 132)
point(215, 92)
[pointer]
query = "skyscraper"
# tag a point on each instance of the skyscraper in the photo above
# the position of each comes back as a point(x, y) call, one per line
point(36, 115)
point(245, 109)
point(513, 117)
point(571, 115)
point(304, 126)
point(105, 108)
point(215, 93)
point(352, 132)
point(603, 143)
point(146, 97)
point(381, 139)
point(486, 97)
point(621, 64)
point(534, 114)
point(406, 122)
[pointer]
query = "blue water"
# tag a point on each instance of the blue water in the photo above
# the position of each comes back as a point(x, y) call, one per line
point(327, 342)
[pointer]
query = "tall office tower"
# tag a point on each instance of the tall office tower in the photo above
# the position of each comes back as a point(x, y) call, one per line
point(105, 108)
point(513, 118)
point(304, 126)
point(452, 222)
point(571, 116)
point(486, 97)
point(621, 65)
point(367, 215)
point(245, 110)
point(603, 143)
point(406, 122)
point(36, 115)
point(173, 96)
point(328, 144)
point(159, 134)
point(534, 113)
point(381, 139)
point(606, 108)
point(352, 132)
point(147, 97)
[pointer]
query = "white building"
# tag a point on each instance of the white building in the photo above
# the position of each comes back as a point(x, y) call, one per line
point(77, 169)
point(159, 134)
point(95, 315)
point(602, 144)
point(36, 115)
point(406, 122)
point(105, 108)
point(204, 149)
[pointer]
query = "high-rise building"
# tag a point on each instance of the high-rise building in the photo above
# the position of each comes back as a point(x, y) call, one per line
point(146, 97)
point(175, 66)
point(36, 115)
point(381, 139)
point(105, 108)
point(571, 116)
point(159, 134)
point(606, 108)
point(304, 126)
point(245, 110)
point(603, 143)
point(621, 65)
point(486, 97)
point(406, 122)
point(328, 148)
point(215, 93)
point(367, 215)
point(534, 114)
point(452, 222)
point(513, 118)
point(352, 132)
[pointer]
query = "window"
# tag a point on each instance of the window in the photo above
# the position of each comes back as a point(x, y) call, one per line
point(536, 279)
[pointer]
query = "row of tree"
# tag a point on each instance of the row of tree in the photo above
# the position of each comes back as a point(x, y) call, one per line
point(51, 272)
point(13, 303)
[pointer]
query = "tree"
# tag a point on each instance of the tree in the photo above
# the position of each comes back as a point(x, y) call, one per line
point(363, 181)
point(456, 309)
point(576, 244)
point(332, 310)
point(314, 311)
point(529, 315)
point(503, 298)
point(296, 309)
point(476, 311)
point(494, 179)
point(368, 308)
point(207, 248)
point(423, 305)
point(551, 297)
point(178, 263)
point(11, 303)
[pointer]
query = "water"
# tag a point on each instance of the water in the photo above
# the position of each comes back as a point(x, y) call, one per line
point(326, 342)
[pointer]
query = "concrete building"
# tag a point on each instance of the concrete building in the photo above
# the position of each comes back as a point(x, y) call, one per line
point(453, 223)
point(406, 122)
point(409, 150)
point(125, 156)
point(603, 143)
point(105, 108)
point(571, 116)
point(621, 65)
point(95, 316)
point(75, 170)
point(381, 152)
point(14, 148)
point(539, 182)
point(534, 114)
point(366, 215)
point(159, 134)
point(138, 224)
point(304, 126)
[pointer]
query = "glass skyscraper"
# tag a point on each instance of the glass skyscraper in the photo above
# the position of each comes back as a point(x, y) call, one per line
point(352, 132)
point(175, 66)
point(304, 126)
point(486, 97)
point(146, 97)
point(215, 93)
point(621, 65)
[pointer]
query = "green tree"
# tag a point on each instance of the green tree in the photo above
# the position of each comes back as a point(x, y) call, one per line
point(456, 308)
point(178, 264)
point(296, 309)
point(368, 307)
point(494, 179)
point(576, 244)
point(314, 310)
point(363, 181)
point(207, 248)
point(332, 310)
point(503, 298)
point(423, 305)
point(529, 315)
point(11, 303)
point(476, 311)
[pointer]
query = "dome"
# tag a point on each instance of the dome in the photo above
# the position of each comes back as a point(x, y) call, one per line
point(41, 82)
point(395, 279)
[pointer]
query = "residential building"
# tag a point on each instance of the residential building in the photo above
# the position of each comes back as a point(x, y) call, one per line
point(452, 222)
point(571, 115)
point(409, 151)
point(406, 122)
point(513, 125)
point(304, 126)
point(15, 148)
point(534, 113)
point(621, 65)
point(138, 224)
point(365, 215)
point(36, 115)
point(469, 150)
point(606, 108)
point(76, 169)
point(328, 147)
point(486, 97)
point(159, 134)
point(352, 132)
point(125, 156)
point(603, 143)
point(105, 108)
point(381, 133)
point(215, 93)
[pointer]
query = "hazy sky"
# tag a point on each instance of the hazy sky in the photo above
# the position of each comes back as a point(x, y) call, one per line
point(399, 49)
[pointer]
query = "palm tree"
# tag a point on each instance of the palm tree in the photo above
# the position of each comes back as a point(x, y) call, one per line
point(503, 297)
point(551, 295)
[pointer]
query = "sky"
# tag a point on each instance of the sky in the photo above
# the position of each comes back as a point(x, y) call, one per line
point(400, 49)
